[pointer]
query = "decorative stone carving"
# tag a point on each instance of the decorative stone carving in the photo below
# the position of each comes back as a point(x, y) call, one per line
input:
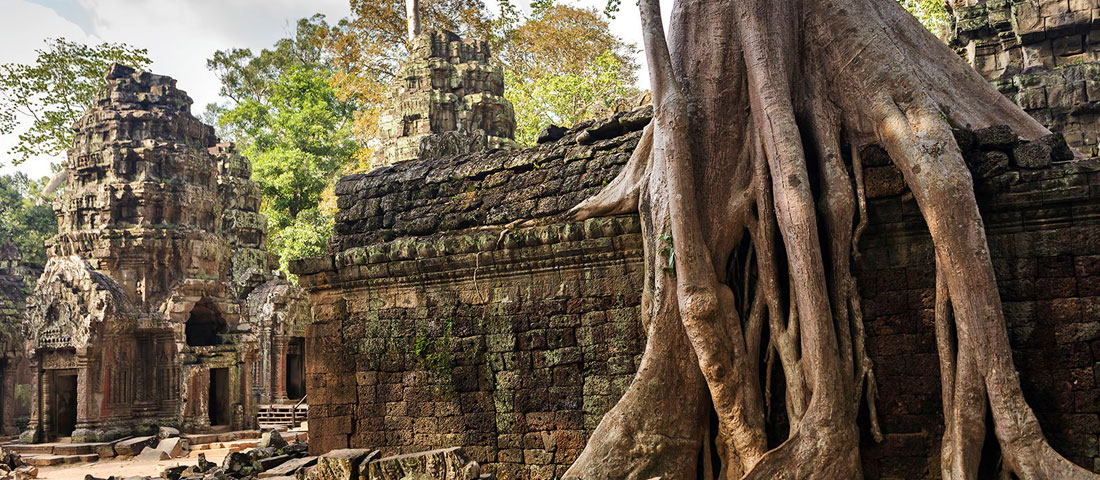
point(144, 296)
point(448, 100)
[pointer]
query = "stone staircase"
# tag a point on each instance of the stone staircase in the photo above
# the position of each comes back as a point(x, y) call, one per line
point(282, 417)
point(48, 454)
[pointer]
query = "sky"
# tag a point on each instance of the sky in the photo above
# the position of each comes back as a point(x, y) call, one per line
point(181, 34)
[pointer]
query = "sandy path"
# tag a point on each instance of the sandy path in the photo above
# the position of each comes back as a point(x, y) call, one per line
point(127, 467)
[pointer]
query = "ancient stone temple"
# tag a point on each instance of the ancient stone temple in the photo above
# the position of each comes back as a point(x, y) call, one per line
point(16, 279)
point(1045, 55)
point(458, 306)
point(158, 304)
point(448, 99)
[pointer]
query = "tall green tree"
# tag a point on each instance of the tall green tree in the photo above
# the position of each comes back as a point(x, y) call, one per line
point(24, 217)
point(288, 120)
point(54, 91)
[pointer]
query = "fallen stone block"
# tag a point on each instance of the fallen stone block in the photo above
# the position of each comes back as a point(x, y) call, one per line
point(443, 464)
point(132, 446)
point(167, 432)
point(151, 453)
point(105, 450)
point(46, 460)
point(175, 447)
point(290, 467)
point(341, 464)
point(272, 439)
point(174, 473)
point(272, 462)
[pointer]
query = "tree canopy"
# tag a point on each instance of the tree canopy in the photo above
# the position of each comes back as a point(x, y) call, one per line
point(287, 118)
point(54, 92)
point(24, 217)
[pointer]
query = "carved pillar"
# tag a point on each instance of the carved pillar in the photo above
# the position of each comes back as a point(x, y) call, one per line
point(280, 369)
point(8, 391)
point(34, 426)
point(84, 420)
point(47, 405)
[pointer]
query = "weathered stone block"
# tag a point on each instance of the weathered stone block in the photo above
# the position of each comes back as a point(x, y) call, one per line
point(444, 464)
point(341, 464)
point(133, 446)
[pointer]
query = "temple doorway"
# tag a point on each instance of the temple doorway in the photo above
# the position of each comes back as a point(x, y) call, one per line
point(64, 404)
point(204, 325)
point(219, 408)
point(295, 369)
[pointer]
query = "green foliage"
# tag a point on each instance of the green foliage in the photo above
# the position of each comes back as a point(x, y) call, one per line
point(288, 120)
point(55, 90)
point(541, 99)
point(562, 65)
point(932, 13)
point(25, 217)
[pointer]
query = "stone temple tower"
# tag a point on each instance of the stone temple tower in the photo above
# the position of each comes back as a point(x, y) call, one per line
point(447, 99)
point(142, 315)
point(1042, 54)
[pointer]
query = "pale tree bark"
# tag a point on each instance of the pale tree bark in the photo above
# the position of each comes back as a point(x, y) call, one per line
point(412, 18)
point(749, 186)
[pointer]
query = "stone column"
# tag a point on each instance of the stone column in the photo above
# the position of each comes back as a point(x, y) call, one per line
point(83, 431)
point(34, 430)
point(279, 384)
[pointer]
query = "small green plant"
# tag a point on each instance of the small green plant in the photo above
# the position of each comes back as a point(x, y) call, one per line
point(667, 249)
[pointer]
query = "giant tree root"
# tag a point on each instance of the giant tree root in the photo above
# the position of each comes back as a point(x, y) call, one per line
point(757, 102)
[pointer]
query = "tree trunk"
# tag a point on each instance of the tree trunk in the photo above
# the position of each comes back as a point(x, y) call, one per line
point(757, 102)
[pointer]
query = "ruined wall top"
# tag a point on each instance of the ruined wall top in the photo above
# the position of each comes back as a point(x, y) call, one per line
point(1042, 54)
point(1006, 37)
point(448, 99)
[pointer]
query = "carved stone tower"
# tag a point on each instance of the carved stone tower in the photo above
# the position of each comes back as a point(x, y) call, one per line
point(1042, 54)
point(448, 99)
point(141, 316)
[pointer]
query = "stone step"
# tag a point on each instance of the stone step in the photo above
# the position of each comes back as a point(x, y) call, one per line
point(29, 448)
point(204, 438)
point(75, 448)
point(47, 460)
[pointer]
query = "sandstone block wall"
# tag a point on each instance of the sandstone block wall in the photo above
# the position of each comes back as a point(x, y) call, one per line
point(1042, 54)
point(443, 319)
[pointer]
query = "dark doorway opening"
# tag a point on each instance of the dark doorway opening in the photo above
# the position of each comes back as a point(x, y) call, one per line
point(219, 396)
point(64, 404)
point(204, 325)
point(296, 368)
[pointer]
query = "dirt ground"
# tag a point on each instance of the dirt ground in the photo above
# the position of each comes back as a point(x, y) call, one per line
point(127, 467)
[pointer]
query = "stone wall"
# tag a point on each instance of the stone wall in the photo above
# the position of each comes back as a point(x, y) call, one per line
point(1042, 54)
point(1044, 237)
point(460, 308)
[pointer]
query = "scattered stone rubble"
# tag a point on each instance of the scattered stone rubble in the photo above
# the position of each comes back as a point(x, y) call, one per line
point(13, 468)
point(275, 459)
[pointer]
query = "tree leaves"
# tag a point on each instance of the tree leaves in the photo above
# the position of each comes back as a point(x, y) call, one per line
point(290, 122)
point(55, 91)
point(25, 218)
